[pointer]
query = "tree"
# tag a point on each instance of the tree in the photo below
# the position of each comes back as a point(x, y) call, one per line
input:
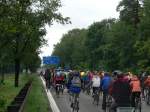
point(71, 48)
point(122, 40)
point(129, 11)
point(22, 25)
point(143, 42)
point(95, 41)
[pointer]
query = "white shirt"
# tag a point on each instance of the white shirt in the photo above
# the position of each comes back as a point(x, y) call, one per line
point(96, 81)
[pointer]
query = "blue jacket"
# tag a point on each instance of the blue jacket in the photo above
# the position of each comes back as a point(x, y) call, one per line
point(105, 83)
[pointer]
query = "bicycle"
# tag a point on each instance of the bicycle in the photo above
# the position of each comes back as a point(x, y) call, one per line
point(59, 88)
point(70, 96)
point(147, 96)
point(138, 104)
point(75, 103)
point(88, 89)
point(96, 97)
point(109, 101)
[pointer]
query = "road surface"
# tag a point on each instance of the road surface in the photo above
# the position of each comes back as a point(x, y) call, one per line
point(85, 103)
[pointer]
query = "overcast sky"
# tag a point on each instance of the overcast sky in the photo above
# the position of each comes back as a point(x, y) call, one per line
point(82, 14)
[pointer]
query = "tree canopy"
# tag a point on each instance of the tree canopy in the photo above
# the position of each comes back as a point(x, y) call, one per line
point(23, 28)
point(112, 44)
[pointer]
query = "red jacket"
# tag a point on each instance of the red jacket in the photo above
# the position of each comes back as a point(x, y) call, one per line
point(135, 85)
point(147, 82)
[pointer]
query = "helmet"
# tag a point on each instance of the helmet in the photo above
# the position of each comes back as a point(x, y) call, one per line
point(116, 73)
point(77, 74)
point(58, 74)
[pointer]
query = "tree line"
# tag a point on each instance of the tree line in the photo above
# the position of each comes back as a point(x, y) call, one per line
point(22, 31)
point(111, 44)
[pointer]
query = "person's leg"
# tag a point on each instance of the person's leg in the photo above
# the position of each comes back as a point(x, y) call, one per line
point(138, 94)
point(93, 90)
point(104, 100)
point(143, 95)
point(133, 99)
point(48, 83)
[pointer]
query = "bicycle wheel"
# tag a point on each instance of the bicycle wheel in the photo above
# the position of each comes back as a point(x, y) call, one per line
point(97, 99)
point(138, 105)
point(147, 98)
point(108, 103)
point(107, 109)
point(88, 91)
point(57, 90)
point(62, 89)
point(77, 106)
point(70, 97)
point(94, 98)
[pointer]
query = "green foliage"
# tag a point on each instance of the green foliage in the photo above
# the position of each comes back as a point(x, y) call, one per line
point(71, 49)
point(23, 29)
point(112, 44)
point(129, 11)
point(2, 102)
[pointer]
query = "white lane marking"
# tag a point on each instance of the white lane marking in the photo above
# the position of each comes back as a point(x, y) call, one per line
point(51, 99)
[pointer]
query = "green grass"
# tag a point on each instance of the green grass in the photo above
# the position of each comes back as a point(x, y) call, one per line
point(8, 91)
point(37, 100)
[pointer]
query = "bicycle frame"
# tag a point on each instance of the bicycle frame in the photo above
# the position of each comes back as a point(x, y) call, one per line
point(96, 97)
point(75, 106)
point(148, 96)
point(138, 104)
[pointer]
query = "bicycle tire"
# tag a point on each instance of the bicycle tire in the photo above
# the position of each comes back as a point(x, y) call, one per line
point(107, 110)
point(77, 106)
point(138, 105)
point(57, 91)
point(97, 100)
point(147, 99)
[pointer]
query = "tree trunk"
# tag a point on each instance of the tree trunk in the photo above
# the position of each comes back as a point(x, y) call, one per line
point(17, 70)
point(2, 79)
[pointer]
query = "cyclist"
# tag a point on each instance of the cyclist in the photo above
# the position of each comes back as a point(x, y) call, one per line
point(120, 91)
point(95, 83)
point(105, 83)
point(59, 80)
point(83, 78)
point(75, 86)
point(88, 83)
point(47, 77)
point(142, 80)
point(70, 77)
point(136, 89)
point(147, 85)
point(147, 81)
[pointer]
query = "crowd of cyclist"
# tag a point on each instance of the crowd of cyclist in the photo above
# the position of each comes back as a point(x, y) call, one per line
point(122, 87)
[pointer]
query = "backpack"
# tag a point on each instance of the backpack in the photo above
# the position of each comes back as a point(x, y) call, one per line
point(76, 82)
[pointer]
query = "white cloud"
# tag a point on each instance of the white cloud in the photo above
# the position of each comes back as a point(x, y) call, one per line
point(82, 14)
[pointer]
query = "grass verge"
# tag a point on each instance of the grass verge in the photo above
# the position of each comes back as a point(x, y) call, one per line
point(37, 100)
point(8, 91)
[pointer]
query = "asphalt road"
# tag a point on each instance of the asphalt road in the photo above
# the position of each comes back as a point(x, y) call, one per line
point(85, 105)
